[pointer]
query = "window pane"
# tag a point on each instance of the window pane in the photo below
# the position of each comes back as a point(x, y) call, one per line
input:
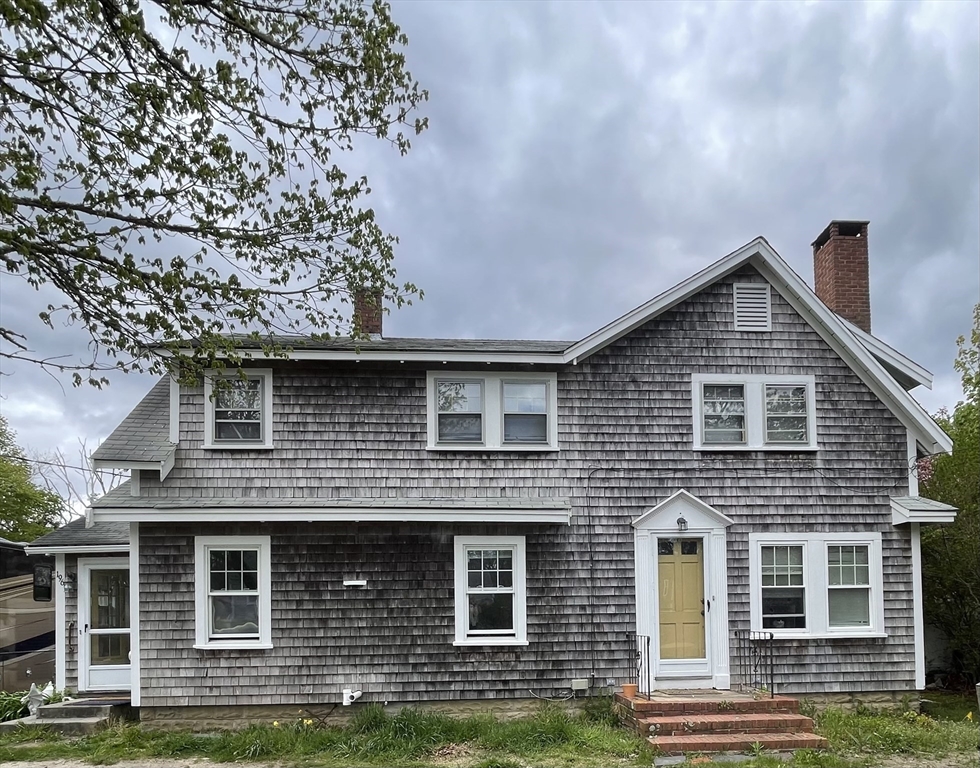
point(234, 581)
point(234, 560)
point(490, 579)
point(250, 580)
point(525, 398)
point(217, 581)
point(238, 430)
point(217, 559)
point(723, 408)
point(234, 615)
point(665, 547)
point(786, 415)
point(525, 428)
point(250, 560)
point(689, 547)
point(109, 649)
point(783, 607)
point(850, 607)
point(460, 429)
point(491, 612)
point(238, 394)
point(460, 397)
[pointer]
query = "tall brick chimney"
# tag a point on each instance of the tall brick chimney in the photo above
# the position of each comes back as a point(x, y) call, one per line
point(840, 271)
point(368, 314)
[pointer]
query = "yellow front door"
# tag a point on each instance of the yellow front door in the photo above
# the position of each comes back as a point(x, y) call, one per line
point(680, 565)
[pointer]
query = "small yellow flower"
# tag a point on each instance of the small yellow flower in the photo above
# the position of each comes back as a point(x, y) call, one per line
point(275, 723)
point(307, 722)
point(969, 716)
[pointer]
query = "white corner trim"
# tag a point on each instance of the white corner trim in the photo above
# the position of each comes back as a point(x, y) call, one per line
point(918, 619)
point(134, 482)
point(201, 581)
point(262, 374)
point(913, 459)
point(174, 411)
point(134, 614)
point(60, 625)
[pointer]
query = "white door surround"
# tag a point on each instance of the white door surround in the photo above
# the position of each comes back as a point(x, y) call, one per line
point(701, 522)
point(102, 676)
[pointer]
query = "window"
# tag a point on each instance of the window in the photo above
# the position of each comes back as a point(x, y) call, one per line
point(783, 591)
point(753, 412)
point(510, 412)
point(238, 414)
point(849, 585)
point(233, 592)
point(490, 591)
point(817, 584)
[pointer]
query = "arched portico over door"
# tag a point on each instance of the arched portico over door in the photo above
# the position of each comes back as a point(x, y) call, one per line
point(682, 592)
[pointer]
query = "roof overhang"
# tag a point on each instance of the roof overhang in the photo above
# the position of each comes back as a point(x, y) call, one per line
point(163, 467)
point(92, 549)
point(907, 372)
point(555, 515)
point(916, 509)
point(414, 356)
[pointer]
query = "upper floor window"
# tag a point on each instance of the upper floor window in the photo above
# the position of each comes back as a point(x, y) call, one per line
point(238, 413)
point(499, 411)
point(740, 412)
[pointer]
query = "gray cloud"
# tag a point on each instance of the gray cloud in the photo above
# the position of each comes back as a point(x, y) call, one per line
point(583, 157)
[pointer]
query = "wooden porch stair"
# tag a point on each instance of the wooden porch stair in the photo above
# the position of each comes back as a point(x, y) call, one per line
point(718, 721)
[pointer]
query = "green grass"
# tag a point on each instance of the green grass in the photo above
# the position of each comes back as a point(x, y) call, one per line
point(552, 737)
point(945, 705)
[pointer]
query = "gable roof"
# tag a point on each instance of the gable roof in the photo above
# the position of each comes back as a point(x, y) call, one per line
point(142, 440)
point(831, 328)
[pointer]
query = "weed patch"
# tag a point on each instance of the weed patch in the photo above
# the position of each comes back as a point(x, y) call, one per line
point(894, 733)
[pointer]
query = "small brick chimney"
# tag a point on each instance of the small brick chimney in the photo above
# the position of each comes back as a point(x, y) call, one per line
point(368, 313)
point(840, 271)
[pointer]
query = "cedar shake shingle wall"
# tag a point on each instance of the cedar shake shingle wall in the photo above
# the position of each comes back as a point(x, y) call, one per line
point(358, 430)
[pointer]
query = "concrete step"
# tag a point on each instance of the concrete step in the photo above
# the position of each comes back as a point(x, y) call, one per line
point(740, 722)
point(104, 708)
point(69, 726)
point(735, 742)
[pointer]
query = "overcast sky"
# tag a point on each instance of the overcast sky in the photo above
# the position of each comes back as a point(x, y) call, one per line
point(584, 157)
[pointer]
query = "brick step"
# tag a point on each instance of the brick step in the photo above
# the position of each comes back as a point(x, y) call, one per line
point(735, 742)
point(680, 706)
point(749, 722)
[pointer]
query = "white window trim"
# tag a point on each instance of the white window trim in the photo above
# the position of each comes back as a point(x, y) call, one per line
point(262, 374)
point(755, 411)
point(816, 583)
point(201, 580)
point(493, 410)
point(518, 544)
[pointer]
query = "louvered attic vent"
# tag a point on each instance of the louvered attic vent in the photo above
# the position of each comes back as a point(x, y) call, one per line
point(752, 307)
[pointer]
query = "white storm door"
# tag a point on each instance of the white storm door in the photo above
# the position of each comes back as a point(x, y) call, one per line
point(103, 623)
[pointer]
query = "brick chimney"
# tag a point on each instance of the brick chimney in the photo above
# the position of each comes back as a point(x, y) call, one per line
point(840, 271)
point(368, 313)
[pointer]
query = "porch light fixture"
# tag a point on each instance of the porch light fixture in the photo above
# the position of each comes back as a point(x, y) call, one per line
point(681, 523)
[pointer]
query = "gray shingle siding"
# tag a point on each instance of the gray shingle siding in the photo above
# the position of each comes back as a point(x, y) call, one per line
point(357, 431)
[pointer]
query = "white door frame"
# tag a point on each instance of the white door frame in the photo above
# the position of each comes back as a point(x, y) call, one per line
point(84, 580)
point(705, 523)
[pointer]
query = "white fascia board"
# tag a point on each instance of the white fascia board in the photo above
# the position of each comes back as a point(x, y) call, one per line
point(556, 515)
point(684, 290)
point(370, 355)
point(163, 467)
point(889, 356)
point(862, 362)
point(92, 549)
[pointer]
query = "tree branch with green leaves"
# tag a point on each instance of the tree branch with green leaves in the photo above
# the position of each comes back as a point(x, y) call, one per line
point(173, 170)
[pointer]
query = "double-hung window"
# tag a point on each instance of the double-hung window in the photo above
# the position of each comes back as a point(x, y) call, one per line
point(498, 411)
point(753, 412)
point(490, 590)
point(233, 592)
point(816, 584)
point(238, 410)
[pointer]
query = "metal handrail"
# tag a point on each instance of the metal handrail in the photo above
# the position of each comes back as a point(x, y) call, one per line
point(755, 662)
point(640, 667)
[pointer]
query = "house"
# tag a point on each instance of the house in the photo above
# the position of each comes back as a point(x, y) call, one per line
point(449, 521)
